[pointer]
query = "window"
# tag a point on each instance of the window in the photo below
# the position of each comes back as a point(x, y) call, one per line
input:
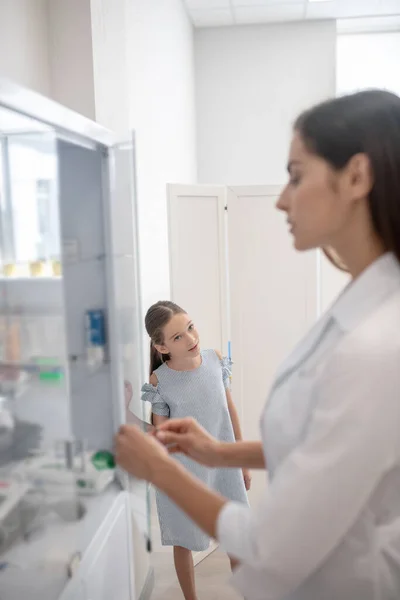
point(29, 202)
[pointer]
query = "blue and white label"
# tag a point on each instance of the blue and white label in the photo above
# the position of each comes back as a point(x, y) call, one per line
point(95, 336)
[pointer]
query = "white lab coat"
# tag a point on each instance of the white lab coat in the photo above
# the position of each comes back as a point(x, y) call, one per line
point(328, 526)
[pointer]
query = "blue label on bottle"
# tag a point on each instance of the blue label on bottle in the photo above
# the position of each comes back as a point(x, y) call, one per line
point(95, 328)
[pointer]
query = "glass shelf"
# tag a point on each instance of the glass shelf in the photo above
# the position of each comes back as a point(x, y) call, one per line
point(30, 279)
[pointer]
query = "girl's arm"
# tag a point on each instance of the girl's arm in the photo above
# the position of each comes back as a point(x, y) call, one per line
point(236, 428)
point(234, 416)
point(238, 434)
point(232, 409)
point(130, 417)
point(156, 420)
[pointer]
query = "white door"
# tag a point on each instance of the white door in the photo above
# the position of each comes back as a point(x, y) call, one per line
point(273, 298)
point(197, 247)
point(246, 284)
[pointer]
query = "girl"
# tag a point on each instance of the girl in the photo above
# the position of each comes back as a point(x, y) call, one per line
point(188, 382)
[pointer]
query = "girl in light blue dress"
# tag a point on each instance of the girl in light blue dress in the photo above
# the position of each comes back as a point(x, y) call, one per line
point(186, 381)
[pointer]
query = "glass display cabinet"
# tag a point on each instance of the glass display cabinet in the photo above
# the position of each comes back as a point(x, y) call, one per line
point(70, 354)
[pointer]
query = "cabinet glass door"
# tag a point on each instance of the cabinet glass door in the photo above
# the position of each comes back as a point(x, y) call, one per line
point(36, 487)
point(129, 314)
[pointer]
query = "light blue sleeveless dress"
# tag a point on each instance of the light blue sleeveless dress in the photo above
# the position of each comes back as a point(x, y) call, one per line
point(199, 394)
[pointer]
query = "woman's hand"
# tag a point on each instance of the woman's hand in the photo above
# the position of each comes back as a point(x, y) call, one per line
point(247, 479)
point(186, 436)
point(140, 454)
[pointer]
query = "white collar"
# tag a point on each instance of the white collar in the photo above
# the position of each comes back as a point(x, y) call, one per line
point(367, 292)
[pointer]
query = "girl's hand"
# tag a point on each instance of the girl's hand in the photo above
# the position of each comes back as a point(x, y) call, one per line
point(128, 393)
point(247, 478)
point(140, 454)
point(186, 436)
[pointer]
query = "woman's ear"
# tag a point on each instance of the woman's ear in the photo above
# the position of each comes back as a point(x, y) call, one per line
point(359, 176)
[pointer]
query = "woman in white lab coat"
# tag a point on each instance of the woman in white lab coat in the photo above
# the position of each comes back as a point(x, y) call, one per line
point(328, 526)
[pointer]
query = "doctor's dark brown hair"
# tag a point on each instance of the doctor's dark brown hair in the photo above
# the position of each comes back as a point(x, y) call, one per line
point(157, 317)
point(366, 122)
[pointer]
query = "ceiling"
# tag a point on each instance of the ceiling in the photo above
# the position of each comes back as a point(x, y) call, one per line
point(216, 13)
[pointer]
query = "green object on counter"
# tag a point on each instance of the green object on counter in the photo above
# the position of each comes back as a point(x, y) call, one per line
point(103, 459)
point(49, 370)
point(50, 376)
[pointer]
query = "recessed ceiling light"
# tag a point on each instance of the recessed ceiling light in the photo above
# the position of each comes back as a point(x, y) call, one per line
point(320, 0)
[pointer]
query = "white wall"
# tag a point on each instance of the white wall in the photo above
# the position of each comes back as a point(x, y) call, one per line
point(251, 82)
point(368, 60)
point(110, 31)
point(24, 43)
point(70, 55)
point(162, 111)
point(364, 60)
point(46, 45)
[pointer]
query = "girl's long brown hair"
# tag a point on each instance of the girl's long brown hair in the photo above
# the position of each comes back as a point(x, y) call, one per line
point(157, 317)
